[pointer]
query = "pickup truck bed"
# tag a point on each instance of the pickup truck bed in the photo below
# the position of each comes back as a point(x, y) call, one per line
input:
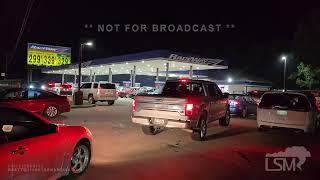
point(163, 111)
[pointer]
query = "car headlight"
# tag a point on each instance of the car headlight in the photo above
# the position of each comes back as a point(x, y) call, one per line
point(31, 86)
point(43, 87)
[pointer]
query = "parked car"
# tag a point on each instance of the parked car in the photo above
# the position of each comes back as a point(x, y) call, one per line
point(42, 149)
point(242, 105)
point(256, 95)
point(294, 110)
point(121, 94)
point(66, 89)
point(155, 91)
point(183, 103)
point(51, 86)
point(99, 91)
point(36, 101)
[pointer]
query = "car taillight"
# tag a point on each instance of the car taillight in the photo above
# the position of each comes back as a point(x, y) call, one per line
point(98, 92)
point(134, 105)
point(183, 80)
point(234, 102)
point(189, 109)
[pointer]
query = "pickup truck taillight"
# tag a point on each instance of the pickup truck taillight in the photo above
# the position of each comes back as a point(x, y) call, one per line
point(189, 109)
point(134, 105)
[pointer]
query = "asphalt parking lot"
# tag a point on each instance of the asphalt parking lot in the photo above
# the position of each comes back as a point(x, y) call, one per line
point(122, 151)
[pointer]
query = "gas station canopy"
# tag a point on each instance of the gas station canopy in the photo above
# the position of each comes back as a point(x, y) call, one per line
point(150, 63)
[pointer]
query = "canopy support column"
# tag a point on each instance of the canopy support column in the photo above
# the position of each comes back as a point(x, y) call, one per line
point(110, 75)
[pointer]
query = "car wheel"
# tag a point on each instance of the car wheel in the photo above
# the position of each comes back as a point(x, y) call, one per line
point(200, 133)
point(225, 121)
point(91, 99)
point(244, 112)
point(80, 159)
point(51, 111)
point(110, 102)
point(149, 130)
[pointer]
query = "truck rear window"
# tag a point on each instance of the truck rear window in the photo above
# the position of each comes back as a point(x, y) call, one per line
point(107, 86)
point(182, 89)
point(285, 101)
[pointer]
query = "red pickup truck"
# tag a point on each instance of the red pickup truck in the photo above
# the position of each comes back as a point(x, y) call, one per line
point(183, 103)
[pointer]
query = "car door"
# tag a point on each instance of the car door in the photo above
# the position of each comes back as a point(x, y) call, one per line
point(209, 99)
point(251, 104)
point(214, 109)
point(221, 102)
point(35, 146)
point(95, 91)
point(6, 159)
point(85, 90)
point(34, 100)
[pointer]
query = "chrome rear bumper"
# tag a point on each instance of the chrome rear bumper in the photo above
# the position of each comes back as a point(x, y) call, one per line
point(166, 122)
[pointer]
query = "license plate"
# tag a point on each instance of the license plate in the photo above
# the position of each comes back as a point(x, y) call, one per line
point(282, 113)
point(158, 121)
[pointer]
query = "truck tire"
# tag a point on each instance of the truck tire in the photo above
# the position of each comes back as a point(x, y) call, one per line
point(110, 102)
point(91, 99)
point(225, 121)
point(200, 133)
point(149, 130)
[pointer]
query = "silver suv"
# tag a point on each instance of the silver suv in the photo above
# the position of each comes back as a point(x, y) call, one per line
point(99, 91)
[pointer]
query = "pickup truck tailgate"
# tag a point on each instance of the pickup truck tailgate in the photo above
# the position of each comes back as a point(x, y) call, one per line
point(160, 107)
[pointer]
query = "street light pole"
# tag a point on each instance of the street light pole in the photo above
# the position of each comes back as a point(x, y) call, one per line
point(78, 96)
point(284, 58)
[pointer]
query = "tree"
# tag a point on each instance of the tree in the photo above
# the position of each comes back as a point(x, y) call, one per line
point(307, 37)
point(306, 76)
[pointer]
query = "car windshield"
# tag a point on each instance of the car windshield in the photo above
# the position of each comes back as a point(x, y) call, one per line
point(295, 102)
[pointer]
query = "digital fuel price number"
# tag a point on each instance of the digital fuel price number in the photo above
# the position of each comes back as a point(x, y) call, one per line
point(47, 55)
point(47, 59)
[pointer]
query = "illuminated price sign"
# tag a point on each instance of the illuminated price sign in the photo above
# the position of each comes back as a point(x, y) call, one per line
point(46, 55)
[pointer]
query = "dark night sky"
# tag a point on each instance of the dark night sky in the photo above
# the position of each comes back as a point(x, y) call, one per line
point(262, 31)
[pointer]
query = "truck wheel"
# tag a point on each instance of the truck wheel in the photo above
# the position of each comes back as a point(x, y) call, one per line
point(200, 133)
point(110, 102)
point(91, 99)
point(149, 130)
point(244, 112)
point(225, 121)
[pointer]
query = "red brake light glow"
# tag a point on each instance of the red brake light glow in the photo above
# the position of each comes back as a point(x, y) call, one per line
point(184, 80)
point(134, 105)
point(189, 109)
